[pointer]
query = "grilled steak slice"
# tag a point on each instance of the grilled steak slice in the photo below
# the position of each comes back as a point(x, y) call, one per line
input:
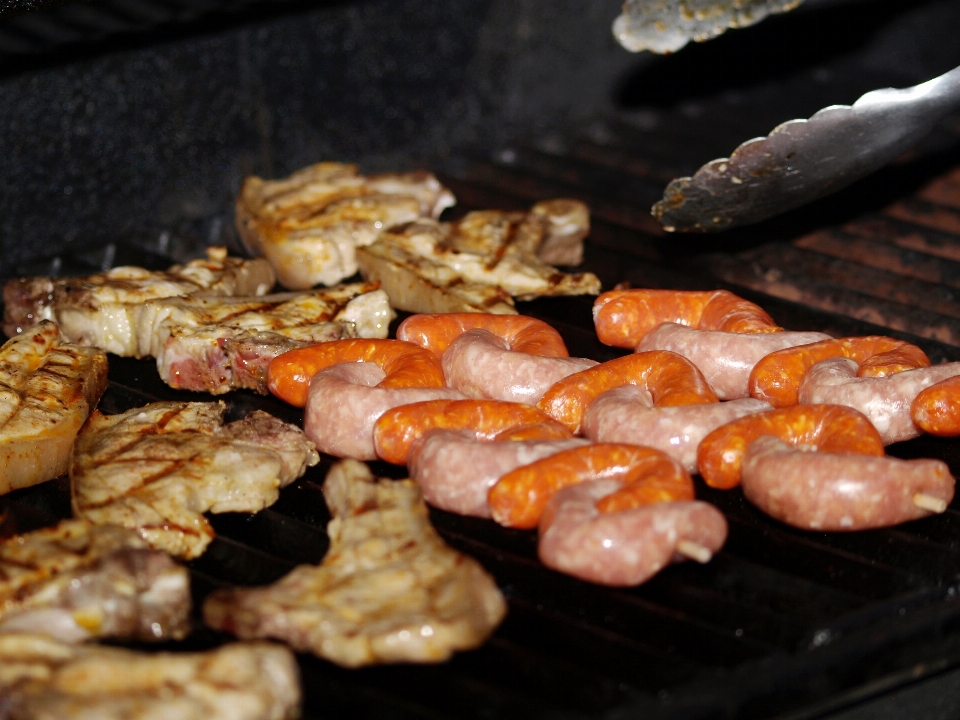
point(41, 678)
point(482, 261)
point(47, 390)
point(77, 581)
point(156, 469)
point(218, 344)
point(310, 224)
point(103, 310)
point(389, 589)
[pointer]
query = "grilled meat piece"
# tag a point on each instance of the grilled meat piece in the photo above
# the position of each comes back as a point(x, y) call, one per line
point(78, 581)
point(218, 344)
point(309, 225)
point(47, 390)
point(389, 589)
point(103, 310)
point(41, 679)
point(156, 469)
point(483, 261)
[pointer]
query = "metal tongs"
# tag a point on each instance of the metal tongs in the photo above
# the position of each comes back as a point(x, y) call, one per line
point(802, 160)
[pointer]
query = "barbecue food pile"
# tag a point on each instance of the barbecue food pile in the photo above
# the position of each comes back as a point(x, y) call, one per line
point(485, 407)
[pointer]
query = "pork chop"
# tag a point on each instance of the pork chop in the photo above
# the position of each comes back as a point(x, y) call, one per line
point(47, 390)
point(219, 344)
point(41, 679)
point(103, 310)
point(388, 590)
point(483, 261)
point(158, 468)
point(78, 581)
point(309, 225)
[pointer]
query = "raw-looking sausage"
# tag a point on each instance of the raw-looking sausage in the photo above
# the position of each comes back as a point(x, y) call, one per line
point(776, 378)
point(455, 471)
point(820, 491)
point(395, 432)
point(623, 317)
point(827, 428)
point(344, 402)
point(724, 358)
point(627, 547)
point(647, 476)
point(936, 410)
point(481, 365)
point(670, 379)
point(885, 401)
point(405, 365)
point(627, 415)
point(520, 333)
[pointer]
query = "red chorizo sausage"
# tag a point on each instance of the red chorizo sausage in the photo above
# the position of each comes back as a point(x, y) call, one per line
point(396, 431)
point(776, 378)
point(623, 317)
point(828, 428)
point(670, 379)
point(518, 498)
point(405, 365)
point(436, 332)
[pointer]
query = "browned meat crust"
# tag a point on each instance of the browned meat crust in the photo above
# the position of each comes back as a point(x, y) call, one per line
point(389, 589)
point(78, 580)
point(156, 469)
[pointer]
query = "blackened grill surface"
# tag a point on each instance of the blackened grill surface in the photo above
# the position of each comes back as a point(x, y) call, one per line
point(781, 623)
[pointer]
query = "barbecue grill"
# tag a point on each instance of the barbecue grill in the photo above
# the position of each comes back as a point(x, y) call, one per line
point(129, 124)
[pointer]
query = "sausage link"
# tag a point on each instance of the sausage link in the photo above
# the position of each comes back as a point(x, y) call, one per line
point(480, 365)
point(455, 471)
point(344, 402)
point(886, 401)
point(520, 333)
point(406, 365)
point(397, 429)
point(518, 498)
point(724, 358)
point(827, 428)
point(776, 378)
point(623, 317)
point(623, 548)
point(828, 492)
point(670, 379)
point(624, 415)
point(936, 410)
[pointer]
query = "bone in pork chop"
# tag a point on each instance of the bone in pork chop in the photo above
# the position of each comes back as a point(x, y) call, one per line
point(42, 679)
point(103, 310)
point(78, 581)
point(218, 344)
point(47, 390)
point(156, 469)
point(309, 225)
point(388, 590)
point(483, 261)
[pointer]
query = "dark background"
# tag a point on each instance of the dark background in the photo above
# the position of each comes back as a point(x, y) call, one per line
point(135, 122)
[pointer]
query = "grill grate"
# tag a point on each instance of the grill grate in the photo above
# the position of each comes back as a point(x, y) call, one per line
point(780, 623)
